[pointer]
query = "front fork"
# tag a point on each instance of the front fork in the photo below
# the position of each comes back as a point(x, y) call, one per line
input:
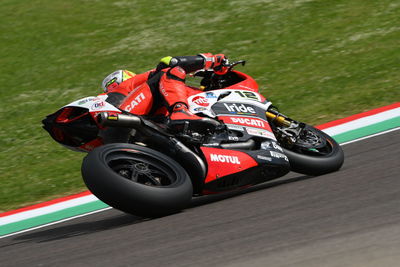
point(277, 118)
point(286, 130)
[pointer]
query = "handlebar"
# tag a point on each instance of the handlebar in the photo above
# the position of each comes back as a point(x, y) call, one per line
point(226, 67)
point(226, 63)
point(217, 78)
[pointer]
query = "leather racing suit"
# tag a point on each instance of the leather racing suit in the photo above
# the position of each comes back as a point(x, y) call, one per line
point(168, 90)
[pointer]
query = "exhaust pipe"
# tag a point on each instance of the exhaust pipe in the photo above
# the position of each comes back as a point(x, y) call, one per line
point(118, 120)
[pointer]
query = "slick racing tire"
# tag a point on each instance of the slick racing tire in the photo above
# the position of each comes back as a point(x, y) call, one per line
point(137, 180)
point(315, 153)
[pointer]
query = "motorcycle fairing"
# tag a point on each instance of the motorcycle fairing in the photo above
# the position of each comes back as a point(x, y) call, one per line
point(245, 121)
point(234, 181)
point(250, 119)
point(74, 125)
point(207, 102)
point(91, 145)
point(222, 162)
point(247, 83)
point(253, 126)
point(235, 169)
point(94, 104)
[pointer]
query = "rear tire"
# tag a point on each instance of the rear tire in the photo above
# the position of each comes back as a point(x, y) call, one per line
point(322, 159)
point(137, 180)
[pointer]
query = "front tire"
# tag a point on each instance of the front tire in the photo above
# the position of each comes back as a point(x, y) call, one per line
point(315, 153)
point(137, 180)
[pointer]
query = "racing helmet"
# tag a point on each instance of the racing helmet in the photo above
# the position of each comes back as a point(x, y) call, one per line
point(114, 79)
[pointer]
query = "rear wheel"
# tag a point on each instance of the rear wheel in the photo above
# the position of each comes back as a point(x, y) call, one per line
point(314, 152)
point(137, 180)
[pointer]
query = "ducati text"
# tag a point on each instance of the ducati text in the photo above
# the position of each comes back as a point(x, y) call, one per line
point(249, 122)
point(136, 101)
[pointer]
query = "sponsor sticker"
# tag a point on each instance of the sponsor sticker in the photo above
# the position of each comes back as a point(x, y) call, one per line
point(112, 117)
point(278, 155)
point(264, 158)
point(98, 105)
point(235, 127)
point(212, 144)
point(240, 109)
point(211, 95)
point(200, 109)
point(201, 101)
point(136, 101)
point(249, 122)
point(268, 144)
point(233, 138)
point(260, 132)
point(84, 101)
point(224, 158)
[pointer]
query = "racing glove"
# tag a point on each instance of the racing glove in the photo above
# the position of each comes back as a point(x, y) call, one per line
point(215, 62)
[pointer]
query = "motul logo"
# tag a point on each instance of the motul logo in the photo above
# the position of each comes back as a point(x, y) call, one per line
point(224, 159)
point(250, 122)
point(201, 101)
point(239, 108)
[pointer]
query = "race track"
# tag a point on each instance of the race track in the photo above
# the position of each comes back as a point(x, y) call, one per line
point(347, 218)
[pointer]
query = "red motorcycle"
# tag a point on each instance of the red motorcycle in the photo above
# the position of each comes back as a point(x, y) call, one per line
point(135, 164)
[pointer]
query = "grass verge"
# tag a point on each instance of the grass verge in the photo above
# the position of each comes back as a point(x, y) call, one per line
point(317, 60)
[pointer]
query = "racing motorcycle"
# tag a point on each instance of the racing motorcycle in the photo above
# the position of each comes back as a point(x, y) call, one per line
point(137, 165)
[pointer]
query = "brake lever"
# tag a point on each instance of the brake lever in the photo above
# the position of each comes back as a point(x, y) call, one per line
point(230, 66)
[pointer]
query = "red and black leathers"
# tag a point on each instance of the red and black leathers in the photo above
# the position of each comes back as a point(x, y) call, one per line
point(167, 86)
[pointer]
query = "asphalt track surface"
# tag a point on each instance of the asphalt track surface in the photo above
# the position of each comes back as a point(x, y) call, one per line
point(347, 218)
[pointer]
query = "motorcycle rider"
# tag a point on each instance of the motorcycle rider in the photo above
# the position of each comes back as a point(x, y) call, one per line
point(167, 85)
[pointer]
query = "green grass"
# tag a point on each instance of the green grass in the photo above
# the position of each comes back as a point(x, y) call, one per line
point(316, 60)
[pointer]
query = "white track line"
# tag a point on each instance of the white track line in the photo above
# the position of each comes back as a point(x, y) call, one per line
point(48, 209)
point(369, 136)
point(362, 122)
point(56, 222)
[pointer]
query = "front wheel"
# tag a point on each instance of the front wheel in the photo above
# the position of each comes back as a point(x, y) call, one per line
point(314, 152)
point(137, 180)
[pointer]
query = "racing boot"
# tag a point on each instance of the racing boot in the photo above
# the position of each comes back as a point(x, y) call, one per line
point(181, 118)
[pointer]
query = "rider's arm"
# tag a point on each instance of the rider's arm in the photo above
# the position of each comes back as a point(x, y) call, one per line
point(193, 63)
